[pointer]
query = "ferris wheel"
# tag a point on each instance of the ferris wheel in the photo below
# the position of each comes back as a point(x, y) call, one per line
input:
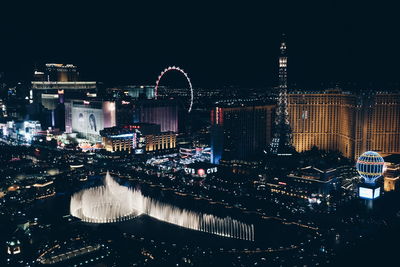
point(178, 69)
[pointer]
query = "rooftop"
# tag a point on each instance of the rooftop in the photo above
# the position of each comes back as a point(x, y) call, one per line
point(393, 158)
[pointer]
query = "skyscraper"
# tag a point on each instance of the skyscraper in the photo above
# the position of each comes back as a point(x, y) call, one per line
point(58, 83)
point(347, 122)
point(324, 119)
point(240, 131)
point(162, 112)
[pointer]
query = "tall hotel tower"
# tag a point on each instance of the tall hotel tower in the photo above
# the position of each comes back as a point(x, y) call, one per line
point(351, 123)
point(281, 144)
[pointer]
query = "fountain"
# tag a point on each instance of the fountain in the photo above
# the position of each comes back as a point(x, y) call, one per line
point(113, 202)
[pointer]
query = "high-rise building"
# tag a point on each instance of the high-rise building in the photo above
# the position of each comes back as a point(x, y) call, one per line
point(162, 112)
point(88, 118)
point(240, 131)
point(59, 82)
point(55, 72)
point(347, 122)
point(378, 123)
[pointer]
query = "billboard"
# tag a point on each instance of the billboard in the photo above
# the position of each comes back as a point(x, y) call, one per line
point(87, 120)
point(369, 193)
point(366, 193)
point(90, 118)
point(377, 192)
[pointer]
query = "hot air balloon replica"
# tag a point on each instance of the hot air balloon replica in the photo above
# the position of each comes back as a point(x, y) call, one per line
point(370, 167)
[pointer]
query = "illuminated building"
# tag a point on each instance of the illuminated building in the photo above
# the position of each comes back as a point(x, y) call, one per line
point(13, 247)
point(345, 122)
point(390, 183)
point(378, 124)
point(240, 131)
point(136, 92)
point(44, 190)
point(49, 94)
point(138, 138)
point(323, 119)
point(247, 167)
point(161, 141)
point(119, 139)
point(56, 72)
point(201, 153)
point(392, 172)
point(59, 82)
point(125, 112)
point(162, 112)
point(88, 118)
point(309, 183)
point(21, 130)
point(201, 169)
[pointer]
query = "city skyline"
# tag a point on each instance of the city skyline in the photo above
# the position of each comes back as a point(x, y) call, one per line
point(195, 134)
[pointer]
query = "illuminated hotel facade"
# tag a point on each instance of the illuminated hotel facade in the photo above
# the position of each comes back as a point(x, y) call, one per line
point(138, 138)
point(345, 122)
point(162, 112)
point(59, 82)
point(240, 131)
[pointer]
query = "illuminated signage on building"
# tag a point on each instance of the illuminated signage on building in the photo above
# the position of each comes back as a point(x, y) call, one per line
point(369, 193)
point(201, 171)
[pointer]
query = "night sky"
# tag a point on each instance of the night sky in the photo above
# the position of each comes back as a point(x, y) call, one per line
point(217, 44)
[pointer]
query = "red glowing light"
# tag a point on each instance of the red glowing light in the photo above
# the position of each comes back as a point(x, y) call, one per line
point(201, 172)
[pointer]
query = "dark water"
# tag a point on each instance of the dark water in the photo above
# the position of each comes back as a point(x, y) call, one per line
point(268, 233)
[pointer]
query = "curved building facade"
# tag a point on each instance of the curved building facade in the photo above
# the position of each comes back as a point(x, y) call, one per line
point(346, 122)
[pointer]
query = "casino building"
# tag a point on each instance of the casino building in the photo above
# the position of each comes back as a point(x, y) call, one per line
point(309, 183)
point(60, 82)
point(138, 138)
point(161, 112)
point(88, 118)
point(53, 85)
point(347, 122)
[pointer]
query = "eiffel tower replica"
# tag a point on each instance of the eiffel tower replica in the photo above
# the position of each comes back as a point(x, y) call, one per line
point(281, 144)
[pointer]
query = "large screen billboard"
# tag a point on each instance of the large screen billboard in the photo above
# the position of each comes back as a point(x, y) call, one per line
point(366, 193)
point(87, 120)
point(369, 193)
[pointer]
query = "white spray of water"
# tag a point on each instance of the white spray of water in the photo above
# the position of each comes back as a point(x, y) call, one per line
point(113, 202)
